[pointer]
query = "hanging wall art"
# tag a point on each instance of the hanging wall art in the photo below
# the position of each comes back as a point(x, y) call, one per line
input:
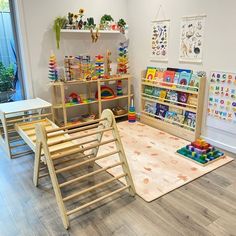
point(160, 38)
point(191, 39)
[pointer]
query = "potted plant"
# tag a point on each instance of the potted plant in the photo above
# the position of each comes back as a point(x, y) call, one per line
point(121, 25)
point(105, 22)
point(59, 23)
point(7, 78)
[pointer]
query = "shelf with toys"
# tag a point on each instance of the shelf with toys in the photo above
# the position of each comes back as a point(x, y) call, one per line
point(89, 85)
point(89, 32)
point(172, 100)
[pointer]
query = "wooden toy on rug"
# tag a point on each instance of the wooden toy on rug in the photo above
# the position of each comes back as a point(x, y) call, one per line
point(53, 71)
point(106, 93)
point(99, 66)
point(132, 113)
point(201, 152)
point(123, 59)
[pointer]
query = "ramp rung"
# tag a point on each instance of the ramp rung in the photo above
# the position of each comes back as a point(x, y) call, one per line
point(97, 200)
point(89, 174)
point(85, 162)
point(78, 136)
point(93, 187)
point(66, 153)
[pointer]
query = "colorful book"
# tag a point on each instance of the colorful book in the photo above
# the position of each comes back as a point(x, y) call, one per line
point(169, 78)
point(150, 107)
point(172, 96)
point(190, 119)
point(184, 79)
point(162, 95)
point(161, 110)
point(151, 72)
point(192, 99)
point(148, 90)
point(182, 97)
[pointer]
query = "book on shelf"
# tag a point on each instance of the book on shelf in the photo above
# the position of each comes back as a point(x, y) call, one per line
point(151, 73)
point(190, 119)
point(168, 78)
point(172, 96)
point(159, 74)
point(161, 110)
point(183, 98)
point(162, 95)
point(150, 107)
point(184, 79)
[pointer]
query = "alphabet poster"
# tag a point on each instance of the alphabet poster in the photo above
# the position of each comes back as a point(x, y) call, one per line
point(191, 39)
point(160, 38)
point(222, 101)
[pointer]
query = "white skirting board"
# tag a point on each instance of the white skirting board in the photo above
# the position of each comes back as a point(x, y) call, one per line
point(220, 145)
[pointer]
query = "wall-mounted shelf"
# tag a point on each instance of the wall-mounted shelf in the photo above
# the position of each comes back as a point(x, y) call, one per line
point(88, 31)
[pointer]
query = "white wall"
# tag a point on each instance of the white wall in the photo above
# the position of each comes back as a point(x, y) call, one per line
point(219, 49)
point(36, 21)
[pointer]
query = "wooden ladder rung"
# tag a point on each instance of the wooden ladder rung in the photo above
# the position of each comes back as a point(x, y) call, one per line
point(18, 145)
point(97, 200)
point(76, 125)
point(85, 162)
point(70, 152)
point(71, 131)
point(89, 174)
point(29, 117)
point(33, 127)
point(79, 136)
point(43, 175)
point(93, 187)
point(74, 146)
point(22, 153)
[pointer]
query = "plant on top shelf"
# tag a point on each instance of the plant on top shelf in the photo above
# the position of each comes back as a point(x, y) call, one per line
point(121, 25)
point(105, 22)
point(7, 78)
point(81, 14)
point(59, 23)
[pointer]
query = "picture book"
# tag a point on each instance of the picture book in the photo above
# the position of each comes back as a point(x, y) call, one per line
point(179, 119)
point(150, 107)
point(190, 119)
point(176, 110)
point(162, 95)
point(176, 79)
point(184, 79)
point(192, 99)
point(182, 97)
point(156, 92)
point(168, 78)
point(172, 96)
point(195, 79)
point(148, 90)
point(159, 74)
point(151, 72)
point(161, 110)
point(170, 116)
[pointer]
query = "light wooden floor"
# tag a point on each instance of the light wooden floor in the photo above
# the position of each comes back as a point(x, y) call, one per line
point(206, 206)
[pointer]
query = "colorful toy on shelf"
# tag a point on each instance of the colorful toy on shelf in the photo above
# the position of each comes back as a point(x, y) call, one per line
point(123, 59)
point(106, 93)
point(68, 63)
point(201, 152)
point(99, 66)
point(108, 64)
point(119, 88)
point(75, 98)
point(132, 113)
point(53, 72)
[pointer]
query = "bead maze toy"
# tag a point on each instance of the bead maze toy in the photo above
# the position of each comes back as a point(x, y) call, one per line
point(108, 64)
point(200, 152)
point(123, 59)
point(132, 113)
point(68, 62)
point(53, 71)
point(99, 66)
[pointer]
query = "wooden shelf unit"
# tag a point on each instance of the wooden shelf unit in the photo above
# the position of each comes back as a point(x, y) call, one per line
point(58, 96)
point(175, 128)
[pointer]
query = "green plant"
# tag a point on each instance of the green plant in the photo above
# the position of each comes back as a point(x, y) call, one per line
point(106, 18)
point(59, 23)
point(6, 78)
point(121, 23)
point(4, 5)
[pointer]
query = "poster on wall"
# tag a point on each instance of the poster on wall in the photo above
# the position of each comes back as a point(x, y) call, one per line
point(191, 39)
point(160, 38)
point(222, 101)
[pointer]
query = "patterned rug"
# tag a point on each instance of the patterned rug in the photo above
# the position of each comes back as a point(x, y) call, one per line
point(155, 167)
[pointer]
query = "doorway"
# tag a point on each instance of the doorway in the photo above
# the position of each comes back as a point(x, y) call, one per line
point(11, 84)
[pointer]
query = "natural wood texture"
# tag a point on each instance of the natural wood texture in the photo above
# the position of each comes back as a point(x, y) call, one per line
point(61, 148)
point(58, 96)
point(194, 209)
point(185, 132)
point(18, 112)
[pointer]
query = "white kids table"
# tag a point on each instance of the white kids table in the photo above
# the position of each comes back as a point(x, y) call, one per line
point(18, 112)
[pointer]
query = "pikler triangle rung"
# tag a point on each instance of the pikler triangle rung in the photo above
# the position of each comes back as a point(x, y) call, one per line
point(86, 152)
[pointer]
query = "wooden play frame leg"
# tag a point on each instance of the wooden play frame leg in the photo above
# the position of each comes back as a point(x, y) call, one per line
point(37, 162)
point(41, 134)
